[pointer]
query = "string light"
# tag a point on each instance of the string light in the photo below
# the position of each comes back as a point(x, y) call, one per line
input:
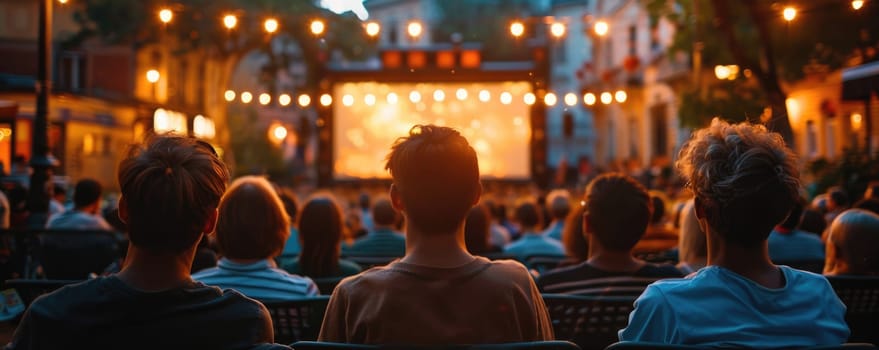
point(304, 100)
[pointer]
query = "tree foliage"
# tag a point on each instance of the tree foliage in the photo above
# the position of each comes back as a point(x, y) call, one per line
point(825, 35)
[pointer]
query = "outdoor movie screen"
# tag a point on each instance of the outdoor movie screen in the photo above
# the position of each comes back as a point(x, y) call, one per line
point(370, 116)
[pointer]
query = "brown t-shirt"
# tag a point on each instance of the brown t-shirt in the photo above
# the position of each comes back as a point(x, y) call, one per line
point(480, 302)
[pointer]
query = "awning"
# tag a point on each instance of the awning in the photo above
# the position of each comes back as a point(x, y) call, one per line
point(860, 81)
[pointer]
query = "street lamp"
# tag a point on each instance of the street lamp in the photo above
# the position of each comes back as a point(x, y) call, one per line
point(152, 76)
point(317, 27)
point(414, 29)
point(373, 28)
point(601, 28)
point(789, 13)
point(165, 15)
point(557, 29)
point(41, 160)
point(270, 25)
point(517, 29)
point(857, 4)
point(230, 21)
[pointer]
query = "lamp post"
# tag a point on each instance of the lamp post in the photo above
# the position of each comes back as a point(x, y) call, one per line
point(41, 161)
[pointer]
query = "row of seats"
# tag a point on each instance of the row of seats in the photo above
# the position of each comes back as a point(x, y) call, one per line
point(588, 321)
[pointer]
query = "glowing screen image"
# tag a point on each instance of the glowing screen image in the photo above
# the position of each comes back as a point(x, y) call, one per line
point(370, 116)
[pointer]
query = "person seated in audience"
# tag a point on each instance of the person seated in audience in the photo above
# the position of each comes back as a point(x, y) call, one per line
point(575, 243)
point(383, 240)
point(86, 206)
point(533, 242)
point(853, 244)
point(659, 236)
point(692, 244)
point(868, 204)
point(559, 202)
point(438, 293)
point(477, 230)
point(812, 222)
point(171, 187)
point(500, 235)
point(291, 206)
point(872, 191)
point(837, 202)
point(321, 228)
point(745, 181)
point(617, 211)
point(788, 244)
point(251, 231)
point(56, 203)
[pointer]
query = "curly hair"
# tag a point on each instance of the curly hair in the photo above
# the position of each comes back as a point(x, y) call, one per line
point(744, 178)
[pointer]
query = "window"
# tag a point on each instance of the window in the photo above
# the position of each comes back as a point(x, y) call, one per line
point(71, 71)
point(811, 139)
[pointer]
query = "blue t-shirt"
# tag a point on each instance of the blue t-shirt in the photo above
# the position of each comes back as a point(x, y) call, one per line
point(717, 307)
point(534, 244)
point(795, 245)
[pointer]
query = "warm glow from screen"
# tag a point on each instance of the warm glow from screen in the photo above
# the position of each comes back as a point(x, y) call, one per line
point(364, 132)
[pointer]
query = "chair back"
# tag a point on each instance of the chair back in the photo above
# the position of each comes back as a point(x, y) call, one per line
point(367, 262)
point(606, 286)
point(326, 285)
point(815, 266)
point(74, 254)
point(860, 294)
point(297, 320)
point(636, 345)
point(543, 263)
point(591, 322)
point(30, 289)
point(535, 345)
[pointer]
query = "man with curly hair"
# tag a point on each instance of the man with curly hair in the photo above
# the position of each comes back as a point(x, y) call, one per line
point(745, 182)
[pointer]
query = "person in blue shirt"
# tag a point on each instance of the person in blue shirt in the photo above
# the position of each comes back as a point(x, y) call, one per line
point(745, 181)
point(532, 243)
point(559, 203)
point(383, 240)
point(789, 244)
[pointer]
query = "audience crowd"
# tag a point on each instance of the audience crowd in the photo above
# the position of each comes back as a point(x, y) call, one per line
point(737, 257)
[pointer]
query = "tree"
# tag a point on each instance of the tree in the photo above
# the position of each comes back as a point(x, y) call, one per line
point(825, 35)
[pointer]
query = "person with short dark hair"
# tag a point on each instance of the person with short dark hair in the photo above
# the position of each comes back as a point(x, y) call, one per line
point(438, 293)
point(788, 244)
point(171, 186)
point(533, 242)
point(813, 222)
point(383, 240)
point(853, 244)
point(86, 209)
point(745, 181)
point(56, 203)
point(837, 202)
point(251, 231)
point(616, 214)
point(321, 228)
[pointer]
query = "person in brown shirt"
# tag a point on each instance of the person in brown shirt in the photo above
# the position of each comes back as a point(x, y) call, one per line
point(438, 293)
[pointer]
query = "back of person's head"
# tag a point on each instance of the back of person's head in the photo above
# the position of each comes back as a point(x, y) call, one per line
point(869, 204)
point(321, 228)
point(819, 203)
point(59, 190)
point(837, 198)
point(812, 221)
point(854, 240)
point(291, 203)
point(692, 245)
point(363, 200)
point(171, 186)
point(528, 215)
point(86, 193)
point(477, 229)
point(795, 217)
point(575, 242)
point(745, 180)
point(658, 215)
point(252, 221)
point(617, 211)
point(559, 202)
point(383, 213)
point(436, 175)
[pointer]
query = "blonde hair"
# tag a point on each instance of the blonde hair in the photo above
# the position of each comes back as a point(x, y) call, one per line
point(253, 223)
point(743, 177)
point(855, 236)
